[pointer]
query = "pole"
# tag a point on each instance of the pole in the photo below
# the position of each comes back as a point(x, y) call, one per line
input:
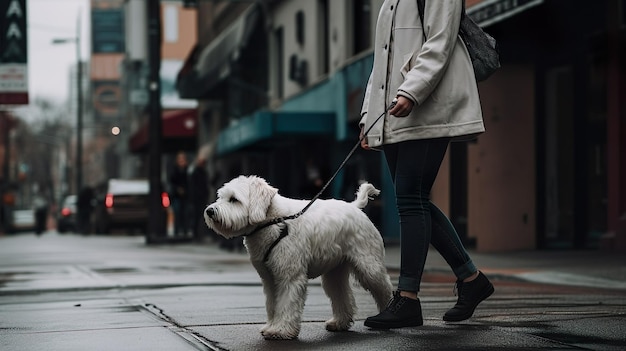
point(79, 112)
point(5, 127)
point(4, 184)
point(156, 221)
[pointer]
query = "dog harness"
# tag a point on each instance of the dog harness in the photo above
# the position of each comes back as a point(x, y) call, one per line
point(284, 231)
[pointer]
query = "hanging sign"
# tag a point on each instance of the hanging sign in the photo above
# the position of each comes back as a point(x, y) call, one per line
point(13, 53)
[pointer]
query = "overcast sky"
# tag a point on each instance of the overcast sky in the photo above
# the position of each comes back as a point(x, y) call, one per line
point(49, 64)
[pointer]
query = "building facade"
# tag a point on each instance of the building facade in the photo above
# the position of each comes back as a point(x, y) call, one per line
point(279, 86)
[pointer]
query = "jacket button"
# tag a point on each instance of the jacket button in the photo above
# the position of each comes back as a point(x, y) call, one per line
point(382, 87)
point(391, 7)
point(385, 47)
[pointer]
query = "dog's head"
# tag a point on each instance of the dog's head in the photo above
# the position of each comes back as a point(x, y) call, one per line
point(241, 204)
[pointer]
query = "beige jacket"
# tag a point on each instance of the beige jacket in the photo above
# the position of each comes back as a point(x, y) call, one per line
point(436, 75)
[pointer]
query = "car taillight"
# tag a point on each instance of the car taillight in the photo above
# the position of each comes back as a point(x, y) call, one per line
point(66, 212)
point(108, 201)
point(165, 200)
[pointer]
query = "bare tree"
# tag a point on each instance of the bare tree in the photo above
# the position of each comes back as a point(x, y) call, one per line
point(42, 144)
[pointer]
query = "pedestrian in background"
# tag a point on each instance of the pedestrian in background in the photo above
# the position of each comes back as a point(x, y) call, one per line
point(40, 208)
point(84, 207)
point(313, 179)
point(178, 184)
point(428, 70)
point(199, 184)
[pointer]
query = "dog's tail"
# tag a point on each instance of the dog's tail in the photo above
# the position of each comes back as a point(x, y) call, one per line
point(365, 193)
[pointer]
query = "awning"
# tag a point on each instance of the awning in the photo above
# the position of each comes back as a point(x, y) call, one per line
point(204, 68)
point(263, 126)
point(179, 132)
point(488, 12)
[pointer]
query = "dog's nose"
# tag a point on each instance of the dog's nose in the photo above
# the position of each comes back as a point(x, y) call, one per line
point(210, 211)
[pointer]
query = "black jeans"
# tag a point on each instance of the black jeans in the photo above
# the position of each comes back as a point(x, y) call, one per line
point(414, 166)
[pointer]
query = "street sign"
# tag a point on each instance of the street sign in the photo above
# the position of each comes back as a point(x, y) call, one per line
point(13, 53)
point(106, 99)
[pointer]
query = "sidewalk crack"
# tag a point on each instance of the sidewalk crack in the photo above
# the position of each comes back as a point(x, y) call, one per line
point(196, 339)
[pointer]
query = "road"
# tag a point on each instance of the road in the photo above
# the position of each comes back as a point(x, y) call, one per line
point(71, 292)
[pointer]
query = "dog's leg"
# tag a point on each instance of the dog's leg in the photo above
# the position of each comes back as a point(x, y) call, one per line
point(270, 293)
point(290, 295)
point(336, 284)
point(270, 303)
point(371, 272)
point(368, 264)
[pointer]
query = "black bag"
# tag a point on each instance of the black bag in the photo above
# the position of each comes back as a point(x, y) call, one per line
point(481, 46)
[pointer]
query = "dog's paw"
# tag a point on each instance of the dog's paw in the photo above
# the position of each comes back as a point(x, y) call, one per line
point(279, 332)
point(265, 327)
point(275, 333)
point(336, 325)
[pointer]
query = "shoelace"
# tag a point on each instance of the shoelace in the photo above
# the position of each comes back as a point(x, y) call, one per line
point(457, 289)
point(395, 308)
point(396, 295)
point(396, 302)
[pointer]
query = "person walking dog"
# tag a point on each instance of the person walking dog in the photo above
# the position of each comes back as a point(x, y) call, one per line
point(427, 69)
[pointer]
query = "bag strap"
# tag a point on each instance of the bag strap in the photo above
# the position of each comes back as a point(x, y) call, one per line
point(421, 4)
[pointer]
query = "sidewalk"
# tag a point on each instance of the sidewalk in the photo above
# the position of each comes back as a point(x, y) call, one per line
point(591, 268)
point(582, 268)
point(73, 292)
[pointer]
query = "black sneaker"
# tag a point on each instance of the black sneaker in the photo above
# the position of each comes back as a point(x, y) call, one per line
point(400, 312)
point(470, 295)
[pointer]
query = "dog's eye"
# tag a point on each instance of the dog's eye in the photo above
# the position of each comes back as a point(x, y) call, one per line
point(233, 200)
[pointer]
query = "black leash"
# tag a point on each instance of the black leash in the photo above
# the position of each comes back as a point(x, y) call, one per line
point(284, 231)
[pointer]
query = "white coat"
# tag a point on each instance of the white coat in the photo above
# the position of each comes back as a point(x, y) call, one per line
point(436, 74)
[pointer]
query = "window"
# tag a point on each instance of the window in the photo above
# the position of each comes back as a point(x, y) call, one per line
point(362, 25)
point(324, 43)
point(300, 27)
point(280, 62)
point(170, 24)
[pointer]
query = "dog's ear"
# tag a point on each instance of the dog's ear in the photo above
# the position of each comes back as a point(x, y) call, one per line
point(261, 195)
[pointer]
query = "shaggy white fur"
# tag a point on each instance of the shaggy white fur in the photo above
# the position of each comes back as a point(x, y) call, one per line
point(333, 238)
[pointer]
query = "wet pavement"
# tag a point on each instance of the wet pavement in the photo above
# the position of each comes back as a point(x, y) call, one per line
point(72, 292)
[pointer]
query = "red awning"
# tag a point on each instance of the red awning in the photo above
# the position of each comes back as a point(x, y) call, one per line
point(179, 132)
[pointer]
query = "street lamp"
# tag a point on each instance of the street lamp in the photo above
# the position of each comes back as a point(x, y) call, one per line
point(79, 103)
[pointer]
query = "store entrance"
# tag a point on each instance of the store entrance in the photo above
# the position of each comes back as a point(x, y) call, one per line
point(574, 156)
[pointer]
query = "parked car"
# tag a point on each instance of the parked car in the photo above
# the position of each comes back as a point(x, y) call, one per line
point(22, 220)
point(66, 218)
point(123, 204)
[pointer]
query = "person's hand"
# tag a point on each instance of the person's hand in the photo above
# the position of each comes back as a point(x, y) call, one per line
point(364, 144)
point(403, 107)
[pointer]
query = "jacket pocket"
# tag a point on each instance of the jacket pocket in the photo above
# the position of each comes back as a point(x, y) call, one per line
point(406, 64)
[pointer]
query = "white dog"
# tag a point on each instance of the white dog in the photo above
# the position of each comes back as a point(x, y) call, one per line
point(333, 238)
